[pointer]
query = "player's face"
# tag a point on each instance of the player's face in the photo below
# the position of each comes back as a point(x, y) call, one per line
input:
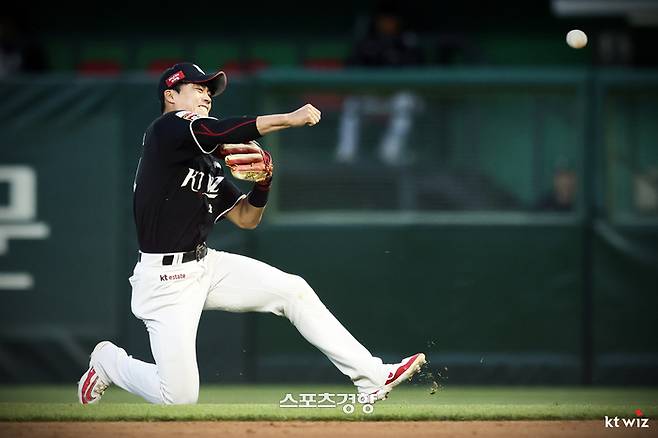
point(195, 98)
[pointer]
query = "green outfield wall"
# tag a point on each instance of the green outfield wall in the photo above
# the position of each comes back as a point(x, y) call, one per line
point(421, 230)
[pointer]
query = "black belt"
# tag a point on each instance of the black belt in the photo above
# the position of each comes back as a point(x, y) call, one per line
point(197, 254)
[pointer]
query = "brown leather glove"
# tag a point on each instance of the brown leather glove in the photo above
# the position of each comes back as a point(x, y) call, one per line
point(248, 161)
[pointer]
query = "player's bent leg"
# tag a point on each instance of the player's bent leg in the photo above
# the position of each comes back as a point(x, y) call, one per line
point(242, 284)
point(175, 356)
point(176, 382)
point(170, 304)
point(110, 364)
point(169, 299)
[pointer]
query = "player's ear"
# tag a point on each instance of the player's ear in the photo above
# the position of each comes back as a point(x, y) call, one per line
point(169, 96)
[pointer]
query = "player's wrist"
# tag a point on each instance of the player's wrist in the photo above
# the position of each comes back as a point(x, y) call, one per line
point(260, 192)
point(265, 184)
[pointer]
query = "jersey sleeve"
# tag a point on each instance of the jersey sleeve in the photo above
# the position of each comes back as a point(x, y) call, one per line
point(183, 135)
point(208, 132)
point(229, 196)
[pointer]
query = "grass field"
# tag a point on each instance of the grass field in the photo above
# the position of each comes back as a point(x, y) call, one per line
point(261, 402)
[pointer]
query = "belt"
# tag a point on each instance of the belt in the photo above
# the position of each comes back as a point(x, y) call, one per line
point(196, 254)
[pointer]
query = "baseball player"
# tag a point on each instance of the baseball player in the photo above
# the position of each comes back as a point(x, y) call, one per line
point(180, 191)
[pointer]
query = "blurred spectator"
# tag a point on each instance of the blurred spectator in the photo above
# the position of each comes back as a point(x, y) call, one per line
point(387, 43)
point(562, 197)
point(19, 51)
point(627, 47)
point(615, 48)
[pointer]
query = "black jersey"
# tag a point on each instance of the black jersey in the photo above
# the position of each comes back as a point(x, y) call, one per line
point(180, 188)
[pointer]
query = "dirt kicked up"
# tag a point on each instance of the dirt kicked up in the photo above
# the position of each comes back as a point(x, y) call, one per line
point(329, 429)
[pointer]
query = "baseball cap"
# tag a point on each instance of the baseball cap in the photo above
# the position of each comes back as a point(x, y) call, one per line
point(186, 72)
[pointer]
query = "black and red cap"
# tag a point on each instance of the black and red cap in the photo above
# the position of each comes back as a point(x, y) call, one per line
point(188, 73)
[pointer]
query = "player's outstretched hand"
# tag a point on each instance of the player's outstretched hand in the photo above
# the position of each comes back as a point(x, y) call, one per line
point(308, 115)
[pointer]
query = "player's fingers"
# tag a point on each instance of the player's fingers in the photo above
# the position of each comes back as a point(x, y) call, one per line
point(313, 119)
point(255, 167)
point(312, 110)
point(229, 149)
point(316, 115)
point(243, 159)
point(241, 149)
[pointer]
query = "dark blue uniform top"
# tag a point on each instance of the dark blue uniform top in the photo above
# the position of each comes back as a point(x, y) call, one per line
point(180, 188)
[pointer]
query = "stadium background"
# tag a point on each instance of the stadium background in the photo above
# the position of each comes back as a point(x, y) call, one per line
point(446, 251)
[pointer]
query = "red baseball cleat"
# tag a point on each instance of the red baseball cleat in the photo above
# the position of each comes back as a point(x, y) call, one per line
point(92, 385)
point(398, 373)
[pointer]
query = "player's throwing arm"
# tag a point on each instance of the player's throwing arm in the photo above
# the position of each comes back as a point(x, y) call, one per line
point(308, 115)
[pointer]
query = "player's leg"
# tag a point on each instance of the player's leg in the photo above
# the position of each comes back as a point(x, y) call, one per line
point(242, 284)
point(169, 300)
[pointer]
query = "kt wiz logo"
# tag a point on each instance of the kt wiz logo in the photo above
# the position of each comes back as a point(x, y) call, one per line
point(637, 422)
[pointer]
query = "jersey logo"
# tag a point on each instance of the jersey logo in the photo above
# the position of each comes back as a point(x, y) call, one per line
point(187, 115)
point(195, 180)
point(171, 80)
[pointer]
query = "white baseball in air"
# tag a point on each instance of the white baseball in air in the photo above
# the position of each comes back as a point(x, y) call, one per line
point(576, 39)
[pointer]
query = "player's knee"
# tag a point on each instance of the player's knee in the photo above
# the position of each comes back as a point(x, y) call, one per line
point(297, 296)
point(182, 398)
point(302, 291)
point(181, 395)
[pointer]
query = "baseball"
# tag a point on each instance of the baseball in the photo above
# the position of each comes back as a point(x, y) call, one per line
point(576, 39)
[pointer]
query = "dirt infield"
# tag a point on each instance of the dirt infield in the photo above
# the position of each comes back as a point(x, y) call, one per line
point(258, 429)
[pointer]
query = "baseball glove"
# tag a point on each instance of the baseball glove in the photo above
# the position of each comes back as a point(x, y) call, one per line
point(248, 161)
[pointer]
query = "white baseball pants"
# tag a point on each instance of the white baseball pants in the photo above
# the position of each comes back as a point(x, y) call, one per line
point(169, 299)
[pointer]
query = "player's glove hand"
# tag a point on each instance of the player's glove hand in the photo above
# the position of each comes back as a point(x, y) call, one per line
point(248, 162)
